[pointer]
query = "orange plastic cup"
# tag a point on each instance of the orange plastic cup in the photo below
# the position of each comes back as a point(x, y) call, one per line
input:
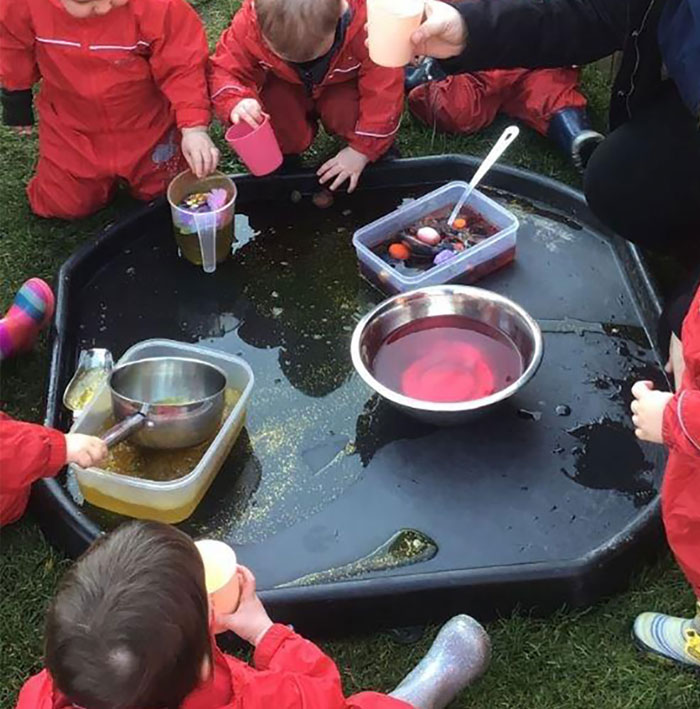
point(221, 577)
point(256, 147)
point(390, 24)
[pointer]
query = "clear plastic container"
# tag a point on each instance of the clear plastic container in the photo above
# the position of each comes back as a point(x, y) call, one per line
point(174, 500)
point(468, 267)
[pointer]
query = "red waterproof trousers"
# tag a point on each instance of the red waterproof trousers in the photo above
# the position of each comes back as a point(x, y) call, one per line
point(290, 673)
point(27, 452)
point(295, 114)
point(466, 103)
point(680, 493)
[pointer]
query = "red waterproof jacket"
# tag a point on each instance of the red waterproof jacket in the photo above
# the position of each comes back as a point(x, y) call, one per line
point(127, 70)
point(290, 673)
point(680, 494)
point(27, 452)
point(242, 60)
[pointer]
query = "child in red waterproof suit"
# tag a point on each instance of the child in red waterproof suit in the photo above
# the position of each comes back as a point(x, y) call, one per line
point(674, 419)
point(29, 452)
point(123, 96)
point(547, 100)
point(304, 60)
point(130, 629)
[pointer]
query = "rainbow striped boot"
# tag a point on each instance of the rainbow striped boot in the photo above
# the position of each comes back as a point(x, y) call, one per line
point(31, 311)
point(667, 638)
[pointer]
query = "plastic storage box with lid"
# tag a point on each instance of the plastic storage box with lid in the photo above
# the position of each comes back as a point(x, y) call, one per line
point(467, 267)
point(173, 500)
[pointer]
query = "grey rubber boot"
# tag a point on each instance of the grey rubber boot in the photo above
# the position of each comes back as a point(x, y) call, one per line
point(459, 655)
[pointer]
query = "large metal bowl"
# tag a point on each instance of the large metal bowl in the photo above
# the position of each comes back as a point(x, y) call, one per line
point(475, 303)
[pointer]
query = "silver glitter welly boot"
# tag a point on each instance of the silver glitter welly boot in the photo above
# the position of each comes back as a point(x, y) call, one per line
point(459, 655)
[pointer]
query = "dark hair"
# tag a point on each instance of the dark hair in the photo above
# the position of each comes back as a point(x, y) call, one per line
point(294, 28)
point(128, 628)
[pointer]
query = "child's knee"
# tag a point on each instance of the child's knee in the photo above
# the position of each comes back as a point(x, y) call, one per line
point(51, 199)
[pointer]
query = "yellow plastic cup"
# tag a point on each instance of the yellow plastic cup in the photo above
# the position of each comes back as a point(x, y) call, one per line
point(390, 24)
point(221, 579)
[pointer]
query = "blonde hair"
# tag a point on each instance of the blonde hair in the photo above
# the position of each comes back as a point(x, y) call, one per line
point(296, 28)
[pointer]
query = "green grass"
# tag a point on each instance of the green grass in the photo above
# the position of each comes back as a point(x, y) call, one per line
point(569, 661)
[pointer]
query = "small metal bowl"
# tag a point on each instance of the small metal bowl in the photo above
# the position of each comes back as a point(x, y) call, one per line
point(474, 303)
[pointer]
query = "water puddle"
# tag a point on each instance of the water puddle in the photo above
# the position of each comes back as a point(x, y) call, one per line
point(609, 457)
point(406, 547)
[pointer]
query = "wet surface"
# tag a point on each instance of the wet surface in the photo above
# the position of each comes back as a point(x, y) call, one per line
point(325, 472)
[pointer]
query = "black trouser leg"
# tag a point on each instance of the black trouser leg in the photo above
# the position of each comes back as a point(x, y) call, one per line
point(643, 180)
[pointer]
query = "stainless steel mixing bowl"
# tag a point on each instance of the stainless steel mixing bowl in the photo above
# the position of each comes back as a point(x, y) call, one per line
point(475, 303)
point(166, 402)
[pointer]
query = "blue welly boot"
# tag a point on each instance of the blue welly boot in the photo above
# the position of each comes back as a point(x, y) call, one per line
point(425, 71)
point(668, 638)
point(571, 130)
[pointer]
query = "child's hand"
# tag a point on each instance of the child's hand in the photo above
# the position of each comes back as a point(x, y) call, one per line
point(248, 110)
point(85, 451)
point(250, 621)
point(200, 152)
point(648, 411)
point(347, 164)
point(22, 130)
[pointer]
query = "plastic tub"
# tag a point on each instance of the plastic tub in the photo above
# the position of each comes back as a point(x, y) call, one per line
point(467, 267)
point(174, 500)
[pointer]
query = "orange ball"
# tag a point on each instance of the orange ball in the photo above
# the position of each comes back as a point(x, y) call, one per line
point(399, 251)
point(459, 223)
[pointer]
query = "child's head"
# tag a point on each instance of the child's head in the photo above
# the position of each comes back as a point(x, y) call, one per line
point(299, 30)
point(80, 9)
point(129, 626)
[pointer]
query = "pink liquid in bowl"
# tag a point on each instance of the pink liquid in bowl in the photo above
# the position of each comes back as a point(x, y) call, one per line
point(445, 359)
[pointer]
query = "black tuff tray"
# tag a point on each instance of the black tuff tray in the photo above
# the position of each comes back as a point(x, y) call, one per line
point(532, 506)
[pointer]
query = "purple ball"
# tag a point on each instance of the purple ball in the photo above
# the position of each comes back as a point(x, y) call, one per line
point(444, 256)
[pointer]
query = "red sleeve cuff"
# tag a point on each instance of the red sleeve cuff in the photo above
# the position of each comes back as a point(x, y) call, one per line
point(57, 451)
point(270, 644)
point(190, 117)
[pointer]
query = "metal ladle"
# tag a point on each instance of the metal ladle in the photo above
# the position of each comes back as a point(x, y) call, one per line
point(507, 137)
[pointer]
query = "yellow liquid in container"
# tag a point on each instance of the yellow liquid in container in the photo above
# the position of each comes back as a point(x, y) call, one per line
point(167, 505)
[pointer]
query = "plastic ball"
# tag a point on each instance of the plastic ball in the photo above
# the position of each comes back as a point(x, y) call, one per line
point(400, 252)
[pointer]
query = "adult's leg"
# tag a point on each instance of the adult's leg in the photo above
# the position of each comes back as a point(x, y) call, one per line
point(464, 103)
point(291, 114)
point(643, 180)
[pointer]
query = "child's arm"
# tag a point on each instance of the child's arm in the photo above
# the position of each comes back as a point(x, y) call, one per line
point(381, 105)
point(234, 74)
point(29, 452)
point(681, 423)
point(178, 61)
point(293, 672)
point(18, 67)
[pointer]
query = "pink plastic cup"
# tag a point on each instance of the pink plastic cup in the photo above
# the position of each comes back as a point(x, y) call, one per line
point(256, 147)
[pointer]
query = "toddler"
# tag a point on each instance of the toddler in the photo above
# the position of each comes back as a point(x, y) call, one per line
point(674, 419)
point(303, 60)
point(29, 452)
point(123, 96)
point(130, 629)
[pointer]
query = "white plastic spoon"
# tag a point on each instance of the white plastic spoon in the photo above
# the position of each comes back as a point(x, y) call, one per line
point(507, 137)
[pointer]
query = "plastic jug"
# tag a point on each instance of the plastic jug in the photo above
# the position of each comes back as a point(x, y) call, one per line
point(204, 238)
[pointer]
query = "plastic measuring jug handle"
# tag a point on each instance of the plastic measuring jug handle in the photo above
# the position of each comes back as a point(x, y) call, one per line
point(206, 231)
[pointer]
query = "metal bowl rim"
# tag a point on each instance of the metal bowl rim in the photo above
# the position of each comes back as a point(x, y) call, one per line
point(451, 407)
point(137, 403)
